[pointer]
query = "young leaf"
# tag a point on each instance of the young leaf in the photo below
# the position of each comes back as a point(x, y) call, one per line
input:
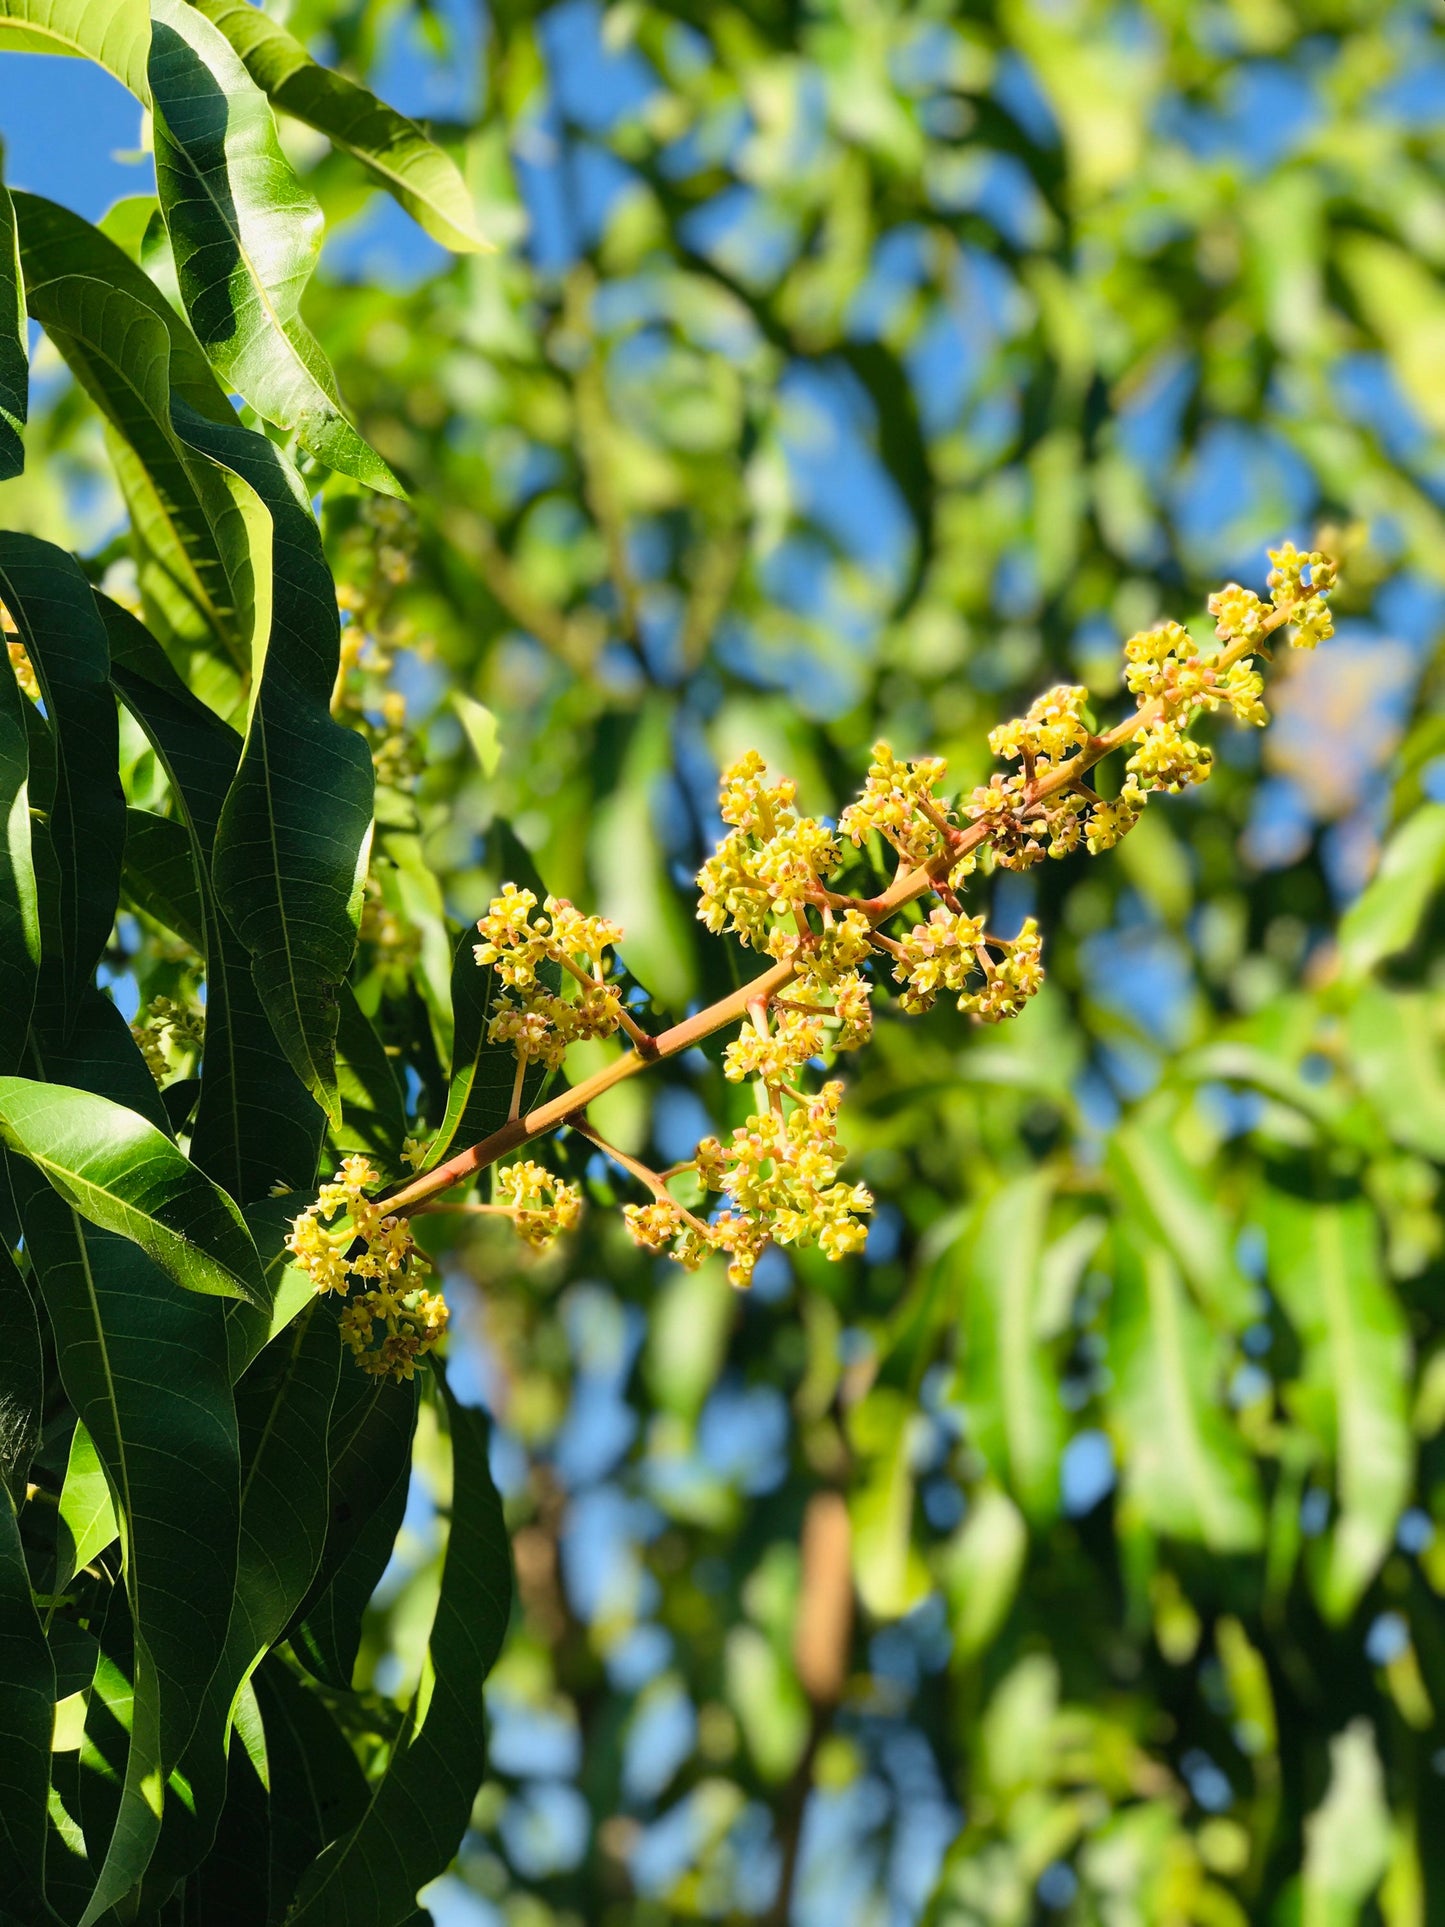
point(14, 358)
point(52, 607)
point(1009, 1382)
point(412, 168)
point(87, 1512)
point(167, 1438)
point(1185, 1467)
point(27, 1706)
point(295, 830)
point(1385, 916)
point(122, 1175)
point(113, 33)
point(420, 1807)
point(1351, 1395)
point(246, 235)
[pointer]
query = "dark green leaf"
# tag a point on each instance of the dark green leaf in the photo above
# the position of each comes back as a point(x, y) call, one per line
point(87, 1511)
point(100, 1055)
point(292, 844)
point(27, 1705)
point(160, 874)
point(122, 1175)
point(114, 33)
point(167, 1439)
point(390, 146)
point(317, 1787)
point(19, 911)
point(419, 1811)
point(22, 1379)
point(14, 358)
point(245, 234)
point(54, 611)
point(373, 1118)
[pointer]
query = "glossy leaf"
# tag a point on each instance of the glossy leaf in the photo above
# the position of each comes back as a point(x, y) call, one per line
point(392, 148)
point(1166, 1198)
point(295, 830)
point(1009, 1385)
point(22, 1379)
point(1325, 1265)
point(87, 1512)
point(245, 234)
point(52, 607)
point(420, 1808)
point(14, 357)
point(317, 1788)
point(27, 1704)
point(101, 1056)
point(1185, 1468)
point(123, 1176)
point(169, 1446)
point(373, 1117)
point(19, 910)
point(1385, 916)
point(114, 33)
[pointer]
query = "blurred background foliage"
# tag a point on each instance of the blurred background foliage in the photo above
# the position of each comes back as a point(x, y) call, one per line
point(858, 369)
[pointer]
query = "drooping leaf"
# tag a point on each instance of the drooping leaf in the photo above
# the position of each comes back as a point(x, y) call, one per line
point(368, 1451)
point(295, 830)
point(245, 234)
point(160, 874)
point(419, 1810)
point(373, 1118)
point(87, 1513)
point(887, 1568)
point(423, 179)
point(101, 1056)
point(317, 1788)
point(113, 33)
point(1348, 1836)
point(123, 1176)
point(168, 1442)
point(1167, 1199)
point(22, 1379)
point(130, 352)
point(1009, 1383)
point(1385, 916)
point(19, 911)
point(52, 607)
point(249, 1330)
point(14, 358)
point(27, 1705)
point(1351, 1394)
point(1394, 1053)
point(1184, 1466)
point(255, 1123)
point(981, 1568)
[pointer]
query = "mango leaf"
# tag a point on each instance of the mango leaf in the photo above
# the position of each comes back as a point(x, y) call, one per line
point(14, 358)
point(122, 1175)
point(22, 1380)
point(1385, 916)
point(887, 1568)
point(19, 912)
point(1348, 1837)
point(1352, 1392)
point(419, 1810)
point(130, 351)
point(101, 1056)
point(87, 1512)
point(1009, 1384)
point(373, 1117)
point(169, 1446)
point(160, 874)
point(27, 1706)
point(52, 607)
point(394, 149)
point(295, 830)
point(981, 1567)
point(1186, 1469)
point(1168, 1201)
point(318, 1791)
point(1394, 1053)
point(113, 33)
point(368, 1452)
point(255, 1123)
point(245, 234)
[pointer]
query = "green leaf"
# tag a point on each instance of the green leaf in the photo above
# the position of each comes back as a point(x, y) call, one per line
point(1352, 1391)
point(388, 145)
point(14, 356)
point(1009, 1385)
point(887, 1569)
point(27, 1705)
point(113, 33)
point(1167, 1200)
point(1393, 1051)
point(52, 607)
point(1384, 918)
point(368, 1451)
point(130, 351)
point(101, 1056)
point(295, 830)
point(160, 874)
point(87, 1511)
point(19, 911)
point(246, 235)
point(420, 1807)
point(146, 1369)
point(22, 1380)
point(318, 1791)
point(1348, 1836)
point(981, 1568)
point(122, 1175)
point(1185, 1468)
point(373, 1118)
point(255, 1122)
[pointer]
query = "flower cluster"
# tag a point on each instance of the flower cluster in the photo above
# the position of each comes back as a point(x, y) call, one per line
point(346, 1239)
point(539, 1204)
point(898, 802)
point(537, 1017)
point(771, 865)
point(168, 1031)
